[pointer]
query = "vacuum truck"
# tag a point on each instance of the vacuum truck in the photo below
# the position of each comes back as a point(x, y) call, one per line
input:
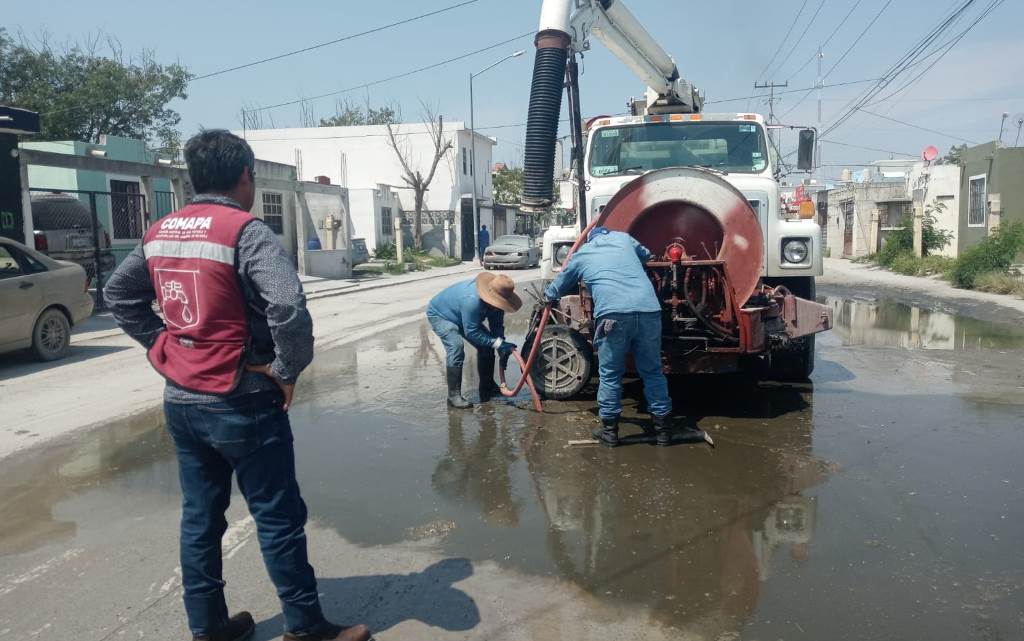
point(734, 270)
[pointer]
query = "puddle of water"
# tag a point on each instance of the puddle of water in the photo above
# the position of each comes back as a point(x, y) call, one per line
point(887, 323)
point(820, 506)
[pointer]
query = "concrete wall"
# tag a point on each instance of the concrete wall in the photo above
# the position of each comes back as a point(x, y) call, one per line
point(368, 212)
point(273, 170)
point(930, 186)
point(867, 198)
point(976, 161)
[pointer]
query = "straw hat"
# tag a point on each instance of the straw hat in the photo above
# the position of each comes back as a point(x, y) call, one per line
point(498, 290)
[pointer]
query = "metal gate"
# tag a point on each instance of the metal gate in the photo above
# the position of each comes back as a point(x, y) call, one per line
point(468, 237)
point(81, 226)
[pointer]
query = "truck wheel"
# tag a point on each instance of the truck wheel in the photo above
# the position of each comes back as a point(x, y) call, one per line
point(795, 364)
point(51, 335)
point(564, 364)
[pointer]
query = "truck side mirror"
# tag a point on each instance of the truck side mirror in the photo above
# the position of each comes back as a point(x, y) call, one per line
point(805, 152)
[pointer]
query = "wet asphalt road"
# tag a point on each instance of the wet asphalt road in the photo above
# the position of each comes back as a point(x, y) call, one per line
point(881, 501)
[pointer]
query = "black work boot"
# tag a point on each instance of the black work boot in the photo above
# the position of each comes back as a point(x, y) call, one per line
point(332, 632)
point(662, 430)
point(608, 433)
point(238, 628)
point(455, 398)
point(485, 369)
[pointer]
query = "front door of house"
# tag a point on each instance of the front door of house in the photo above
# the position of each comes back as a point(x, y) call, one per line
point(127, 208)
point(847, 228)
point(467, 231)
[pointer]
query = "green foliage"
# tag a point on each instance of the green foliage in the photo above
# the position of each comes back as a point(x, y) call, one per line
point(394, 268)
point(905, 263)
point(82, 94)
point(999, 283)
point(953, 156)
point(910, 265)
point(349, 114)
point(508, 185)
point(994, 254)
point(385, 251)
point(901, 241)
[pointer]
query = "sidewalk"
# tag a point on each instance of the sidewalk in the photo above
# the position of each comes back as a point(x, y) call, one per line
point(841, 272)
point(323, 287)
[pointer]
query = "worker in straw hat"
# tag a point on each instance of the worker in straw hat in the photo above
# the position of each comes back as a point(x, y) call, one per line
point(459, 312)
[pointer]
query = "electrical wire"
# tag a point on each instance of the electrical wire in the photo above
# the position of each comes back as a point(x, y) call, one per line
point(912, 125)
point(827, 40)
point(792, 25)
point(336, 41)
point(404, 74)
point(884, 151)
point(800, 38)
point(859, 38)
point(290, 53)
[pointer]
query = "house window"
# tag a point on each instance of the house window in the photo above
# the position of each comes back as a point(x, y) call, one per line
point(387, 223)
point(465, 159)
point(127, 210)
point(976, 203)
point(273, 211)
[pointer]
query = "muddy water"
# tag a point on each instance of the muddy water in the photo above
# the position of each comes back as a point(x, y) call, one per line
point(880, 502)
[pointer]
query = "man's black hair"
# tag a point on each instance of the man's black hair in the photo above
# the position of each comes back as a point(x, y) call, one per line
point(216, 159)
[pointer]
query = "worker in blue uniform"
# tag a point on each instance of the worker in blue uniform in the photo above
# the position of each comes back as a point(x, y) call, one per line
point(627, 319)
point(460, 312)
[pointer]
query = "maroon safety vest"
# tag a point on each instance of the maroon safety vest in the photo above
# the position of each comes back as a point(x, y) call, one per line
point(191, 260)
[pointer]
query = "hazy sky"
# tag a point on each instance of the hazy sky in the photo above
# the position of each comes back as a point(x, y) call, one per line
point(721, 46)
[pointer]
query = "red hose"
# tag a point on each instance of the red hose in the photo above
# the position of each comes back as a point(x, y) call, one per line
point(527, 367)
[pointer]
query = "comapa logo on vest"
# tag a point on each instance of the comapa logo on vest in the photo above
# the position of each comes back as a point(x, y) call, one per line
point(179, 296)
point(195, 222)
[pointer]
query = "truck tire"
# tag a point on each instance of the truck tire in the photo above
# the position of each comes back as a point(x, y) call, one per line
point(795, 364)
point(565, 362)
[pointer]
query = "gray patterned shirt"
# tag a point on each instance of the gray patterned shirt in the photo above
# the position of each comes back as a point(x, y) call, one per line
point(277, 308)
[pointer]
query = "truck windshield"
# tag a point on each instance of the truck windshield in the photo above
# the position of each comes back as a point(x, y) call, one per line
point(726, 146)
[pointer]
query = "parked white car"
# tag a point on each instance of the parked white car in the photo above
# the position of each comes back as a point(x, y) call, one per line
point(40, 300)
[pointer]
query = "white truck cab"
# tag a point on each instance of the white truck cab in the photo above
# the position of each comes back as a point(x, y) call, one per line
point(736, 145)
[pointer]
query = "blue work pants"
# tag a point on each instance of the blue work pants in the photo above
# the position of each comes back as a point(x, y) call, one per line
point(639, 333)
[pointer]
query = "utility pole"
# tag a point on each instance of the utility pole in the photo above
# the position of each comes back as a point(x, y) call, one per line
point(771, 87)
point(819, 84)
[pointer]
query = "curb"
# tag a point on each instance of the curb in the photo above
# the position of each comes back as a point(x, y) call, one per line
point(352, 289)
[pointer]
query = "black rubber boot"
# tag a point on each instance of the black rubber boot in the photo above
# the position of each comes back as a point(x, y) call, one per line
point(455, 398)
point(608, 433)
point(238, 628)
point(485, 369)
point(663, 430)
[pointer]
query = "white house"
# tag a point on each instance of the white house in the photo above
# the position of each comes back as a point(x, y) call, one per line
point(937, 187)
point(373, 214)
point(361, 158)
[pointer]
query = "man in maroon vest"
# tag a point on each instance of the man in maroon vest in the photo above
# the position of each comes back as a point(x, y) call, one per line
point(234, 337)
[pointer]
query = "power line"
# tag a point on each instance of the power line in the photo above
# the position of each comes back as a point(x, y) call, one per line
point(827, 40)
point(337, 40)
point(290, 53)
point(862, 34)
point(909, 124)
point(897, 68)
point(884, 151)
point(792, 25)
point(800, 38)
point(394, 77)
point(781, 93)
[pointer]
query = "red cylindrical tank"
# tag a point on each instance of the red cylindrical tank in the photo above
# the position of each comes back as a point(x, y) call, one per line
point(713, 219)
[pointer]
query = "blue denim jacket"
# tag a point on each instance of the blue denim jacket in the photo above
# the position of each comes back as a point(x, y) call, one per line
point(460, 304)
point(612, 266)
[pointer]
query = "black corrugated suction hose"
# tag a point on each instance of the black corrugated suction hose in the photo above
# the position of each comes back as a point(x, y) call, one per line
point(542, 127)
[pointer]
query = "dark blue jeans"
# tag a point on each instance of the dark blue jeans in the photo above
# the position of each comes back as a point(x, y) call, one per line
point(451, 338)
point(639, 333)
point(249, 436)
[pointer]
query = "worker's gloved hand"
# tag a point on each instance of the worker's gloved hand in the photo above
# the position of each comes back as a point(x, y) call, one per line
point(506, 348)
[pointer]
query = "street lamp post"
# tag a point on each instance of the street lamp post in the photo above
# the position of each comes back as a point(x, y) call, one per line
point(472, 153)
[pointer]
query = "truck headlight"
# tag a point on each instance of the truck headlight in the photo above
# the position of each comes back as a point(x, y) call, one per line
point(561, 252)
point(795, 251)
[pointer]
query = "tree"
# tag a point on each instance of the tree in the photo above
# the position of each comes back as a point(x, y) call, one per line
point(82, 94)
point(414, 177)
point(508, 185)
point(349, 114)
point(952, 157)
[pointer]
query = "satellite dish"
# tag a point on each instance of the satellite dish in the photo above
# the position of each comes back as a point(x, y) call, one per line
point(1019, 118)
point(930, 153)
